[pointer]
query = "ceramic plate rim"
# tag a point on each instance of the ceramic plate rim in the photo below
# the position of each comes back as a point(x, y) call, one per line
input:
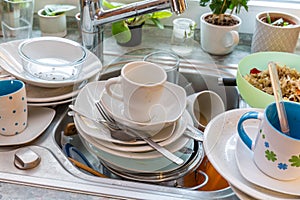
point(227, 135)
point(87, 72)
point(29, 134)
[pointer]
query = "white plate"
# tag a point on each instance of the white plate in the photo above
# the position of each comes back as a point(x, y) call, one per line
point(166, 133)
point(36, 94)
point(9, 51)
point(85, 101)
point(52, 103)
point(171, 106)
point(220, 137)
point(249, 170)
point(142, 162)
point(38, 120)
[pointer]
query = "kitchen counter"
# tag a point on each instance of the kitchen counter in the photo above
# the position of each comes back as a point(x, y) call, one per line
point(111, 52)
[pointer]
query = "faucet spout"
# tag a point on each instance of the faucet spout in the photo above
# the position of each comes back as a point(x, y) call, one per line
point(93, 17)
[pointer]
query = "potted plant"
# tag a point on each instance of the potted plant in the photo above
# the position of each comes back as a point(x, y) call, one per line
point(219, 30)
point(275, 31)
point(52, 19)
point(129, 32)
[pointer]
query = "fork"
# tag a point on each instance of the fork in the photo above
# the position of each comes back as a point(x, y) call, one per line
point(172, 157)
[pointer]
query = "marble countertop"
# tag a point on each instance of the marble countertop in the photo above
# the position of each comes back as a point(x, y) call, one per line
point(17, 191)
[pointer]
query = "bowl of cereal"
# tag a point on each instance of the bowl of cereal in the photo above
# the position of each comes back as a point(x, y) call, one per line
point(254, 83)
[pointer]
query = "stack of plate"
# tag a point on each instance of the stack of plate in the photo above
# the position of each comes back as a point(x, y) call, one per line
point(133, 157)
point(47, 92)
point(233, 160)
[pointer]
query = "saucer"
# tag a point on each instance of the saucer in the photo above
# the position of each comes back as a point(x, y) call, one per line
point(138, 162)
point(9, 52)
point(220, 137)
point(39, 119)
point(85, 101)
point(170, 107)
point(249, 170)
point(177, 134)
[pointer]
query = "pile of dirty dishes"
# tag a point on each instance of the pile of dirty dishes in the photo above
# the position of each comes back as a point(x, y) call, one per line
point(166, 123)
point(53, 75)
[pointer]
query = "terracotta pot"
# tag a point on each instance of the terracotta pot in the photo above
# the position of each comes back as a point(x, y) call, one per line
point(267, 37)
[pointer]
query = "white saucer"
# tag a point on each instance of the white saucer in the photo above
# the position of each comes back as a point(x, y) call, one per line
point(249, 170)
point(51, 103)
point(38, 120)
point(85, 101)
point(171, 106)
point(220, 137)
point(9, 50)
point(138, 162)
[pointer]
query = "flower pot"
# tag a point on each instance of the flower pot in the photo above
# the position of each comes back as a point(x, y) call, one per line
point(53, 25)
point(267, 37)
point(136, 36)
point(217, 39)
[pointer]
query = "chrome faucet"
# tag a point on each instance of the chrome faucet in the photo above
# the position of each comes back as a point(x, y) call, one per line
point(93, 17)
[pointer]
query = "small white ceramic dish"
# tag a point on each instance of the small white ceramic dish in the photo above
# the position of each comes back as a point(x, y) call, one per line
point(38, 120)
point(170, 107)
point(142, 162)
point(85, 101)
point(220, 137)
point(13, 65)
point(249, 170)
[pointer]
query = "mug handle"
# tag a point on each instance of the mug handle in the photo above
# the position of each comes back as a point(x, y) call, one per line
point(231, 38)
point(240, 128)
point(110, 82)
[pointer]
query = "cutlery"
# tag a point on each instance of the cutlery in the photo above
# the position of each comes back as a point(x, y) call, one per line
point(115, 133)
point(172, 157)
point(278, 98)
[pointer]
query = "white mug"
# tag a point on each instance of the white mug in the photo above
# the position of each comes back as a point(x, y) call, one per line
point(13, 107)
point(203, 106)
point(275, 153)
point(218, 40)
point(142, 85)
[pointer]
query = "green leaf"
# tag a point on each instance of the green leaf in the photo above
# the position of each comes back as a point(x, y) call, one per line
point(162, 14)
point(57, 9)
point(158, 23)
point(121, 31)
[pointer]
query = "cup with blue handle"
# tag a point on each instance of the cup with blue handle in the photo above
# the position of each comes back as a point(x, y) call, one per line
point(13, 107)
point(275, 153)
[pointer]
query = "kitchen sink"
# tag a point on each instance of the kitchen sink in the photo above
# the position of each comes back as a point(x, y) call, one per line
point(55, 171)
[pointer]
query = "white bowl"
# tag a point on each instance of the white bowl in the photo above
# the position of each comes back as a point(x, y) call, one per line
point(170, 107)
point(52, 58)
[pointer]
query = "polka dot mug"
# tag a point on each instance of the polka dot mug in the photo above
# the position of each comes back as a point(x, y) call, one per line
point(13, 107)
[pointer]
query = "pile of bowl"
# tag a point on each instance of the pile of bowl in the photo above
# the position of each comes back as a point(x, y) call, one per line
point(53, 68)
point(165, 124)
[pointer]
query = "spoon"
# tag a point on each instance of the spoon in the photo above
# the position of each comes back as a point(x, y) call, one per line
point(278, 98)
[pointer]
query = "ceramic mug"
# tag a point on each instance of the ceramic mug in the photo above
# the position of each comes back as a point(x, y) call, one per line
point(142, 85)
point(203, 106)
point(218, 40)
point(275, 153)
point(13, 107)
